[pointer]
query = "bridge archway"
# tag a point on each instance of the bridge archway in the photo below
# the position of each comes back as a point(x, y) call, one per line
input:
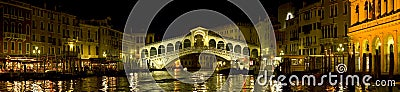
point(170, 47)
point(212, 43)
point(229, 47)
point(198, 40)
point(254, 53)
point(161, 49)
point(238, 49)
point(178, 45)
point(220, 45)
point(153, 51)
point(186, 43)
point(145, 53)
point(246, 51)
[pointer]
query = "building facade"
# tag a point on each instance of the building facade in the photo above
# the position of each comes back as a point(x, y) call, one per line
point(16, 28)
point(29, 30)
point(373, 32)
point(317, 28)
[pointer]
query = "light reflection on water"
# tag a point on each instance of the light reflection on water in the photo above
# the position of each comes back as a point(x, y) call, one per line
point(143, 82)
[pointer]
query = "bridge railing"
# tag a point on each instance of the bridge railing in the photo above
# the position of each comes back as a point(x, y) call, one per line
point(188, 50)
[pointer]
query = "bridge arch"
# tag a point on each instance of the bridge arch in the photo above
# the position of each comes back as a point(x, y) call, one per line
point(145, 53)
point(229, 47)
point(186, 43)
point(153, 51)
point(238, 49)
point(178, 45)
point(246, 51)
point(254, 53)
point(170, 47)
point(220, 45)
point(212, 43)
point(161, 49)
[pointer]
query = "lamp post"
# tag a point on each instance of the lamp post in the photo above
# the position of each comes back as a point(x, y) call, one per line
point(340, 49)
point(71, 65)
point(37, 52)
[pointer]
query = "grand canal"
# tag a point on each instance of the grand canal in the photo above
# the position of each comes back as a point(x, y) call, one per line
point(163, 82)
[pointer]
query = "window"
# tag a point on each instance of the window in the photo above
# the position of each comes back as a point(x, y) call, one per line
point(19, 30)
point(41, 26)
point(5, 46)
point(19, 47)
point(33, 24)
point(5, 27)
point(336, 10)
point(42, 49)
point(12, 27)
point(345, 7)
point(331, 11)
point(89, 50)
point(58, 29)
point(28, 30)
point(335, 31)
point(322, 13)
point(49, 27)
point(12, 46)
point(33, 37)
point(59, 50)
point(42, 39)
point(28, 47)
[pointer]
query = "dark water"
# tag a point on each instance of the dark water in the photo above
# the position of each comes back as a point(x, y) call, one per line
point(163, 82)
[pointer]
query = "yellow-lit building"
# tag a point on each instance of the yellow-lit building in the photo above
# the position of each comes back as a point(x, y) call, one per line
point(374, 34)
point(89, 41)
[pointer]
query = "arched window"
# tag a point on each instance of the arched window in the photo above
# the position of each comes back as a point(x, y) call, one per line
point(28, 30)
point(19, 30)
point(12, 27)
point(170, 47)
point(5, 26)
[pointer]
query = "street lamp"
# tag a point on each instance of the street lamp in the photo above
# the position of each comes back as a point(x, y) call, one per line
point(104, 54)
point(281, 53)
point(340, 49)
point(37, 52)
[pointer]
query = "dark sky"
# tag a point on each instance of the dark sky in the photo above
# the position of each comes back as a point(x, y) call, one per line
point(119, 10)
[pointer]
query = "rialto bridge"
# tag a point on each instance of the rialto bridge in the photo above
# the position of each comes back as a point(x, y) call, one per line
point(199, 40)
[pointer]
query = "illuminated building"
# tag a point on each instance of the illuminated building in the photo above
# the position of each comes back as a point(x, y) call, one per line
point(15, 28)
point(373, 31)
point(56, 33)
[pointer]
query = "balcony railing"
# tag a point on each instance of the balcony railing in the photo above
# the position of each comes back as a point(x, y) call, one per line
point(14, 35)
point(373, 23)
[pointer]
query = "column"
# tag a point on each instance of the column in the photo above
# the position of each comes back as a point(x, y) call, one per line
point(383, 7)
point(396, 53)
point(390, 6)
point(370, 57)
point(361, 54)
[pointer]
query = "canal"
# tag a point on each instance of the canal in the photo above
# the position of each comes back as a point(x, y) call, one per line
point(163, 82)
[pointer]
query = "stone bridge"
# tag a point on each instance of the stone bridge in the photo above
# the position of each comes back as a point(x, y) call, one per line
point(199, 40)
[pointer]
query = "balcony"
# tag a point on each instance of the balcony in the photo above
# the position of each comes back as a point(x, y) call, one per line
point(375, 23)
point(8, 35)
point(6, 15)
point(21, 18)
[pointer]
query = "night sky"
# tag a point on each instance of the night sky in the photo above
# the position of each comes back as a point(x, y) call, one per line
point(119, 10)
